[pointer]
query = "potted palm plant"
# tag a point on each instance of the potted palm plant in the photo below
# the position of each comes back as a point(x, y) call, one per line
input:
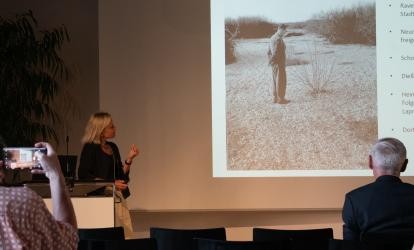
point(32, 74)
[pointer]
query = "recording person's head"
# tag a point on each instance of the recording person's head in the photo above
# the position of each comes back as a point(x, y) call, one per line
point(388, 157)
point(2, 168)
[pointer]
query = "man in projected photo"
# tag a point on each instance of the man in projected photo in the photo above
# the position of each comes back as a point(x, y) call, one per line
point(385, 206)
point(277, 59)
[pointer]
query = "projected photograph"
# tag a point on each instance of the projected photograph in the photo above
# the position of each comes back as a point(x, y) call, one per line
point(294, 88)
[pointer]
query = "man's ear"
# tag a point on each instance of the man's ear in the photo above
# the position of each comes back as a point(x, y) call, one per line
point(370, 162)
point(404, 165)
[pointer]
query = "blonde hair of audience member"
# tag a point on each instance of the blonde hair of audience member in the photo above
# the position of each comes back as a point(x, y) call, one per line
point(96, 125)
point(388, 157)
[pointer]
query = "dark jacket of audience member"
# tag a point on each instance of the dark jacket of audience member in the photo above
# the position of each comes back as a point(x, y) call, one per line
point(385, 206)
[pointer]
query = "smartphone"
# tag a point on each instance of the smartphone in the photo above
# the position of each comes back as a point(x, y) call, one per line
point(22, 157)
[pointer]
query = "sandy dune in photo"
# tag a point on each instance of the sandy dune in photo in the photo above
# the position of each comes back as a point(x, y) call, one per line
point(331, 130)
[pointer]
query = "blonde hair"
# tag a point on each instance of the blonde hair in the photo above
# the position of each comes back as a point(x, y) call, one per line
point(95, 126)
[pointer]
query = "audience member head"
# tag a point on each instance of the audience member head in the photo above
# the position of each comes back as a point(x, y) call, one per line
point(96, 126)
point(2, 174)
point(388, 157)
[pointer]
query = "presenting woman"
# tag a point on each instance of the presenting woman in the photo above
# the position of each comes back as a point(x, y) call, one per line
point(100, 158)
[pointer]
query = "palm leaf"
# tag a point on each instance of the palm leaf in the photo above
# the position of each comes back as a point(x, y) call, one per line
point(32, 72)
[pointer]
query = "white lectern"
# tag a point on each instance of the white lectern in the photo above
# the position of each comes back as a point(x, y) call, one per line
point(93, 202)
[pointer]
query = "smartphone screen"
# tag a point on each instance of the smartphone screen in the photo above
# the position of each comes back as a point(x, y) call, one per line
point(22, 158)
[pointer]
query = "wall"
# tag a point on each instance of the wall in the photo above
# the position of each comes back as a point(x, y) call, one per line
point(155, 80)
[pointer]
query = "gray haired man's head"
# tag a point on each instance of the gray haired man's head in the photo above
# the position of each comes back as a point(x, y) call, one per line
point(388, 157)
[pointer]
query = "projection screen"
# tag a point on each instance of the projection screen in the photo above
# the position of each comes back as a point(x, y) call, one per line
point(349, 66)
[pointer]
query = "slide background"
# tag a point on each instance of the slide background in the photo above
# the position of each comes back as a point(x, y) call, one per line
point(316, 134)
point(254, 137)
